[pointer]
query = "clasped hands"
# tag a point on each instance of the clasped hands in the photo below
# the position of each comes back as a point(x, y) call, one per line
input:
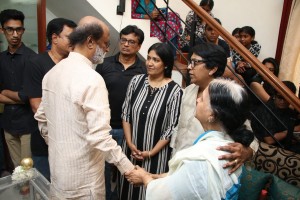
point(137, 154)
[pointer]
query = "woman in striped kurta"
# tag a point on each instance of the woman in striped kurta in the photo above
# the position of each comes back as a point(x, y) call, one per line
point(150, 114)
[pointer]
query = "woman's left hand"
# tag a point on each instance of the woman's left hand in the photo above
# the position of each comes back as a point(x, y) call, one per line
point(238, 154)
point(146, 155)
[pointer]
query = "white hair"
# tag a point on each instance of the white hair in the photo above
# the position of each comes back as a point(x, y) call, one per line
point(232, 88)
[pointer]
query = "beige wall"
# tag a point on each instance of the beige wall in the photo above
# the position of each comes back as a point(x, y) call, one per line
point(264, 16)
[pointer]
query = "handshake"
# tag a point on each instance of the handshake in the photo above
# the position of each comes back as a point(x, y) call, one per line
point(138, 176)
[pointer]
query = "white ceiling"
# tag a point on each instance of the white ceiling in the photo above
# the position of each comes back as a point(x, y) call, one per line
point(75, 11)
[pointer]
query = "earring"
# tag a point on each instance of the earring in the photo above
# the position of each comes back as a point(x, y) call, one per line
point(166, 67)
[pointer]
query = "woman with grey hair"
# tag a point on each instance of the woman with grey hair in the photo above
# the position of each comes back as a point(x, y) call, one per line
point(190, 169)
point(208, 61)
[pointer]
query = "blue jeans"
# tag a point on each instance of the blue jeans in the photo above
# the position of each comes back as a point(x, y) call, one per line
point(41, 163)
point(117, 134)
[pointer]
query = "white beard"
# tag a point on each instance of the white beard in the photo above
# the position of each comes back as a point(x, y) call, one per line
point(99, 56)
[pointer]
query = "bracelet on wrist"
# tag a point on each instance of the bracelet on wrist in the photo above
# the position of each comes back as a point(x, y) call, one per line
point(149, 155)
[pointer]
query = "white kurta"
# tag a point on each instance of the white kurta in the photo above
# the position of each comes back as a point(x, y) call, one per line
point(196, 173)
point(74, 118)
point(189, 127)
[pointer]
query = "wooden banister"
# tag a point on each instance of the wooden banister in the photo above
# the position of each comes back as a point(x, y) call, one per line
point(255, 63)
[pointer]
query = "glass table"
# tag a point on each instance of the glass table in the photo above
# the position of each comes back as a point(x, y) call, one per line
point(35, 188)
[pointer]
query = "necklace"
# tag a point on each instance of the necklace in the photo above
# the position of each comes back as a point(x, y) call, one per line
point(152, 90)
point(155, 88)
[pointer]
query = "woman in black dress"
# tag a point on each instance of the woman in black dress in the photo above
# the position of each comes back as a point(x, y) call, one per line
point(150, 114)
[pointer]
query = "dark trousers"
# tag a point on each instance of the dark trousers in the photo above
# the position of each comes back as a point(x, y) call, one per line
point(117, 134)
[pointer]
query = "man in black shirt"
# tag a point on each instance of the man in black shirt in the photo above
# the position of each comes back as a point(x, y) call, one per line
point(58, 31)
point(17, 116)
point(117, 72)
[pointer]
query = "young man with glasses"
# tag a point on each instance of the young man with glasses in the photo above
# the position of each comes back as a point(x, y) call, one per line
point(117, 72)
point(17, 118)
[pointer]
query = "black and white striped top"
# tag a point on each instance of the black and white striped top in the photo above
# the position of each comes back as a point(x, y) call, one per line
point(153, 115)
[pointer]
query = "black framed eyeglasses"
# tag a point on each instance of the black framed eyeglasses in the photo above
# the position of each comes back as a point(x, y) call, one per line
point(194, 62)
point(130, 42)
point(11, 30)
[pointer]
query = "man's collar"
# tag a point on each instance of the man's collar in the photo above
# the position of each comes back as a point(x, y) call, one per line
point(20, 50)
point(137, 59)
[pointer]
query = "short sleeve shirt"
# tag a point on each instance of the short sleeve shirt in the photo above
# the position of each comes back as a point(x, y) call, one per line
point(36, 69)
point(117, 79)
point(34, 73)
point(17, 118)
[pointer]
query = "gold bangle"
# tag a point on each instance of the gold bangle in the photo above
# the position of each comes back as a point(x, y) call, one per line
point(149, 155)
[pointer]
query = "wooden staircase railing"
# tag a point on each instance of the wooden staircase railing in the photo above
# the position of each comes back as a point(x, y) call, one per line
point(255, 63)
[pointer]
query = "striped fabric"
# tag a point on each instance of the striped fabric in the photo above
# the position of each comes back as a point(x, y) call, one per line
point(153, 117)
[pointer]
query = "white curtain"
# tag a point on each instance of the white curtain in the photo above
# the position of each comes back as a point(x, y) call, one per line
point(290, 60)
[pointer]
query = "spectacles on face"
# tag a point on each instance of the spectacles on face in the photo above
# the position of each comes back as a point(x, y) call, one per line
point(130, 42)
point(11, 30)
point(193, 63)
